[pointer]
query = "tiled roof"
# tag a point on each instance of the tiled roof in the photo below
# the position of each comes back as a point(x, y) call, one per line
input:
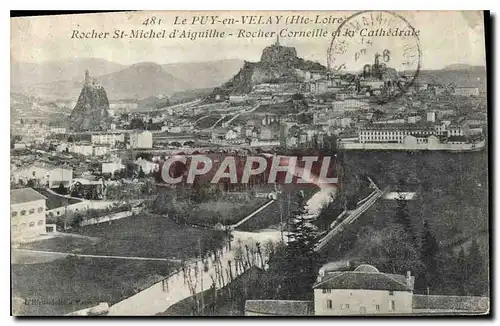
point(25, 195)
point(365, 281)
point(280, 307)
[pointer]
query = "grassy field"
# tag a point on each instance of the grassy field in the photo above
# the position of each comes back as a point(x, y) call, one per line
point(143, 235)
point(71, 284)
point(222, 210)
point(77, 283)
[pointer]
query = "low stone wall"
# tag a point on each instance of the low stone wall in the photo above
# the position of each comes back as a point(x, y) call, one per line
point(81, 206)
point(107, 218)
point(451, 302)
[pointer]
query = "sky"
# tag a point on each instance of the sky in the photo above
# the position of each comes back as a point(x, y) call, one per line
point(446, 37)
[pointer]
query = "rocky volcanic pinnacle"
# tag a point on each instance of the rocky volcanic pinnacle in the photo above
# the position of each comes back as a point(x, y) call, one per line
point(278, 63)
point(91, 110)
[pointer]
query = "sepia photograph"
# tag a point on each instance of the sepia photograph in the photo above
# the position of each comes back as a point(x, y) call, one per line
point(250, 163)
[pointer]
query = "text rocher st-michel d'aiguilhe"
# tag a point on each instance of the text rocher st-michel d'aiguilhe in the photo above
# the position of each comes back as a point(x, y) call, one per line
point(146, 34)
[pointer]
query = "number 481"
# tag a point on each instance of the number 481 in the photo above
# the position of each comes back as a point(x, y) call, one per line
point(153, 20)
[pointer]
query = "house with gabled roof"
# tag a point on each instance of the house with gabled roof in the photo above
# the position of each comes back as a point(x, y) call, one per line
point(362, 291)
point(27, 209)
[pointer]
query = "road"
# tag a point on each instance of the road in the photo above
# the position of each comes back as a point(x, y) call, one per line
point(160, 296)
point(352, 216)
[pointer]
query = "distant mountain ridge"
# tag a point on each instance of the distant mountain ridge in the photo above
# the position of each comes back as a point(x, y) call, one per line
point(27, 73)
point(61, 80)
point(462, 66)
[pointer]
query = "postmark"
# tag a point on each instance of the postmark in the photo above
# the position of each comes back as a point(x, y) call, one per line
point(380, 53)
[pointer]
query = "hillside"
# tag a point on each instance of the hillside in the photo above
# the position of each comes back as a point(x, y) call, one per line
point(463, 67)
point(204, 74)
point(31, 108)
point(140, 81)
point(277, 64)
point(470, 77)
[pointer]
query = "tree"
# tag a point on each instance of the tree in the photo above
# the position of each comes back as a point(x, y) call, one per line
point(429, 251)
point(301, 259)
point(402, 216)
point(477, 283)
point(141, 173)
point(61, 189)
point(391, 250)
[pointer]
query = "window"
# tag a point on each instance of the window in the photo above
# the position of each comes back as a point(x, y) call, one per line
point(391, 292)
point(329, 304)
point(14, 214)
point(40, 222)
point(392, 305)
point(32, 211)
point(377, 307)
point(23, 212)
point(32, 224)
point(40, 209)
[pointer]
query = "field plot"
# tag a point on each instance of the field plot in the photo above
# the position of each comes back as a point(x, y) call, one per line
point(222, 210)
point(144, 235)
point(71, 284)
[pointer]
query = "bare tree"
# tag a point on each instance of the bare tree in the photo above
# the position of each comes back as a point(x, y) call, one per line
point(230, 270)
point(259, 252)
point(248, 254)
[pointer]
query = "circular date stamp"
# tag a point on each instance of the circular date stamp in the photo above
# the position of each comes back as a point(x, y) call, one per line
point(379, 51)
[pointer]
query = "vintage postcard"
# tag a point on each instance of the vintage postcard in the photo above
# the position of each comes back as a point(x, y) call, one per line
point(237, 163)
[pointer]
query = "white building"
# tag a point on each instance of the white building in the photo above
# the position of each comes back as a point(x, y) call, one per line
point(101, 150)
point(373, 84)
point(142, 139)
point(454, 130)
point(362, 291)
point(431, 116)
point(111, 167)
point(59, 176)
point(27, 211)
point(107, 138)
point(237, 98)
point(466, 91)
point(58, 130)
point(45, 176)
point(393, 133)
point(86, 150)
point(147, 167)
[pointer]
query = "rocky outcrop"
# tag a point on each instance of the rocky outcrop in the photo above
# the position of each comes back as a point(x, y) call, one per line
point(91, 109)
point(278, 64)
